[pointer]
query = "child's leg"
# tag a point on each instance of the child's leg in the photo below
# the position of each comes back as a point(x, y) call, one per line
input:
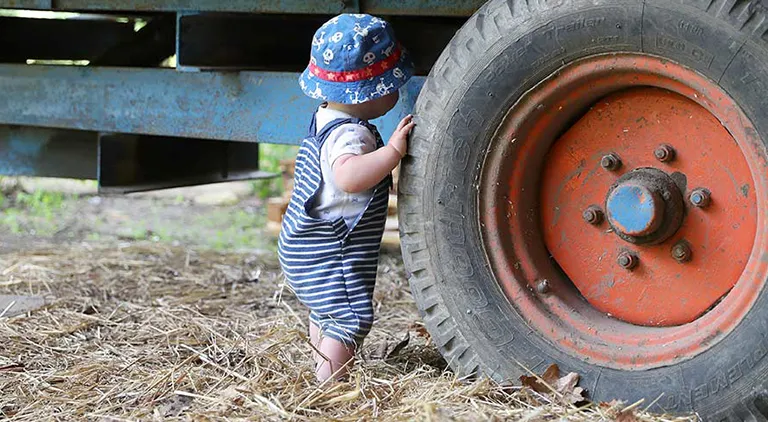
point(339, 359)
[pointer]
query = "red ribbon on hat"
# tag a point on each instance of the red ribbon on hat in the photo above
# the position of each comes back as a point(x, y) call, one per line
point(367, 72)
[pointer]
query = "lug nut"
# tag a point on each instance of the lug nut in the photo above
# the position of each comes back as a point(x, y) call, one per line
point(664, 153)
point(628, 260)
point(593, 215)
point(610, 162)
point(700, 198)
point(542, 286)
point(682, 251)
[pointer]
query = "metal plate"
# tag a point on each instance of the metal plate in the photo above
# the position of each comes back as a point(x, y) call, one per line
point(132, 163)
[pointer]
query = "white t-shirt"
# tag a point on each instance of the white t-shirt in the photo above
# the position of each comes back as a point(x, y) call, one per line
point(330, 201)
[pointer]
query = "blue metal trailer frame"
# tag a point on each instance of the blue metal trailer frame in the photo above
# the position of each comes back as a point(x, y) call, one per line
point(110, 120)
point(376, 7)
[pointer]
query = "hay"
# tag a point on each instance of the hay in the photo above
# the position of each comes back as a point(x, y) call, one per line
point(145, 332)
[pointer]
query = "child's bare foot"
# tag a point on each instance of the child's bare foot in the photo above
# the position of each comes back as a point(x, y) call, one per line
point(334, 361)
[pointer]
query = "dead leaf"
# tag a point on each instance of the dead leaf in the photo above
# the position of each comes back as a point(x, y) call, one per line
point(534, 384)
point(399, 346)
point(567, 382)
point(611, 404)
point(539, 384)
point(551, 375)
point(567, 387)
point(551, 380)
point(420, 329)
point(574, 396)
point(627, 416)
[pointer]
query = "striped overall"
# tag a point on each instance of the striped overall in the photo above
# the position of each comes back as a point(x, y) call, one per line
point(332, 267)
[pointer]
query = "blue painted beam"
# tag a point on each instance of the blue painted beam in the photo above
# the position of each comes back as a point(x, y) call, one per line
point(264, 107)
point(382, 7)
point(250, 6)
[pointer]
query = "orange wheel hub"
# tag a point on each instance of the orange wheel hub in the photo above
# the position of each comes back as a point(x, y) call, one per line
point(622, 206)
point(662, 290)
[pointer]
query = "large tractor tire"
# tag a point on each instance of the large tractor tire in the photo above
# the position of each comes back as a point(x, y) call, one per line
point(587, 185)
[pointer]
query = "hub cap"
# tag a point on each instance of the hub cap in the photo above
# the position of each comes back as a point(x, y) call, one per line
point(635, 210)
point(645, 206)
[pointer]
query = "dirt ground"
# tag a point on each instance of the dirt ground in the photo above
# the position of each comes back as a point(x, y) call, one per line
point(165, 308)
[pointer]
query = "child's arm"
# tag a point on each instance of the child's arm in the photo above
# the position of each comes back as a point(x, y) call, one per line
point(358, 173)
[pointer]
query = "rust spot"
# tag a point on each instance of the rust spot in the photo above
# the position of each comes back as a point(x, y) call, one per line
point(705, 342)
point(745, 190)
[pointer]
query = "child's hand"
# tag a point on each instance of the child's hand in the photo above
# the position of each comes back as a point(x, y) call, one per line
point(399, 139)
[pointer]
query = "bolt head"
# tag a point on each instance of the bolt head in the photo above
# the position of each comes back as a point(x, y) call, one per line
point(542, 286)
point(610, 162)
point(593, 215)
point(664, 153)
point(627, 260)
point(682, 252)
point(700, 198)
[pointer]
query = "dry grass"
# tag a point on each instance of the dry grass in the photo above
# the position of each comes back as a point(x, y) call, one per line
point(152, 333)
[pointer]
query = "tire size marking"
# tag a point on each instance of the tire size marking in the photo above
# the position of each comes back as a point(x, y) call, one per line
point(669, 43)
point(723, 379)
point(690, 28)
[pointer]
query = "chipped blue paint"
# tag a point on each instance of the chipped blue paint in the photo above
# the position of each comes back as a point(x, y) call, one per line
point(238, 106)
point(633, 209)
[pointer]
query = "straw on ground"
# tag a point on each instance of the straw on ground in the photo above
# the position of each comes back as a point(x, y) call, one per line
point(146, 332)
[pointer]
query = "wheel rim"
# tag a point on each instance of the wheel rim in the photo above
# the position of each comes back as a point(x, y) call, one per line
point(594, 236)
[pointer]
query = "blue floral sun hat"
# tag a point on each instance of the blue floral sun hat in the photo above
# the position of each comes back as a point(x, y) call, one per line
point(355, 58)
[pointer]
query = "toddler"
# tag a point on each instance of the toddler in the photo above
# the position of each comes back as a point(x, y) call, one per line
point(331, 233)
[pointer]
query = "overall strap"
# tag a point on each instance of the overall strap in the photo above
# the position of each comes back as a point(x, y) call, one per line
point(333, 124)
point(312, 126)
